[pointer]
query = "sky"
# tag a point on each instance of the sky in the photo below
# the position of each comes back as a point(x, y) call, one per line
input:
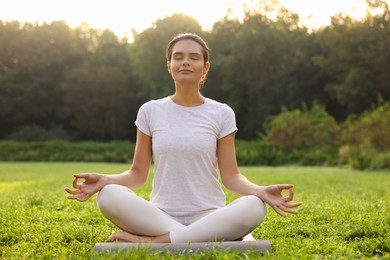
point(121, 16)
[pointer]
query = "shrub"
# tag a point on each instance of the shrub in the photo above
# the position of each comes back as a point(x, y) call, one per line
point(369, 131)
point(120, 151)
point(32, 133)
point(302, 128)
point(313, 156)
point(28, 133)
point(259, 153)
point(381, 161)
point(366, 139)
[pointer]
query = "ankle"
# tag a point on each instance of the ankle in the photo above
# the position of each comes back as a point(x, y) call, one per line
point(161, 239)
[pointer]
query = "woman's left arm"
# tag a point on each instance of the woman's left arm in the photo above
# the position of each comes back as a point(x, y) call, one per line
point(233, 180)
point(231, 177)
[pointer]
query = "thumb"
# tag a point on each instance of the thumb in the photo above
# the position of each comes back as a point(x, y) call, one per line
point(81, 175)
point(285, 186)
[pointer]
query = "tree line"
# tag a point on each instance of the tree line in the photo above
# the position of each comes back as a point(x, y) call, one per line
point(87, 84)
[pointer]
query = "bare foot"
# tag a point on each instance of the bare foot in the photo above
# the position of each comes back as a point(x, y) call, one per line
point(128, 237)
point(125, 237)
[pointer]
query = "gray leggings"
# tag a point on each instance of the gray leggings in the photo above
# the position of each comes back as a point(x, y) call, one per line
point(136, 215)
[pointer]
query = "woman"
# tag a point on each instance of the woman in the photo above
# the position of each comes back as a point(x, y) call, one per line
point(188, 137)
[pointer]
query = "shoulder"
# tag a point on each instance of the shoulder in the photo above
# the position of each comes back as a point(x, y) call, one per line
point(219, 106)
point(154, 104)
point(224, 116)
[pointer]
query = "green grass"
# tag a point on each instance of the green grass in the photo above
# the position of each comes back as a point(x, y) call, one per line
point(345, 215)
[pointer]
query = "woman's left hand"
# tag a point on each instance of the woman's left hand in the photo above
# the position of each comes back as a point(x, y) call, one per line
point(272, 195)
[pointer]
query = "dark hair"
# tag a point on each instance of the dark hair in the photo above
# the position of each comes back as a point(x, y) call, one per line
point(188, 36)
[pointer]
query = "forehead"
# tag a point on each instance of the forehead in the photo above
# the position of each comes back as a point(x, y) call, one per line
point(187, 46)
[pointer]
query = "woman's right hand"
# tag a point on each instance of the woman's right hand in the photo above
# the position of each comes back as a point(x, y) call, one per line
point(92, 183)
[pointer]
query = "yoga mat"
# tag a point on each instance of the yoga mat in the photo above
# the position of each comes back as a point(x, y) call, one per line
point(262, 246)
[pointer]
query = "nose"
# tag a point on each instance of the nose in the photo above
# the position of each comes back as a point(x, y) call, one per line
point(186, 62)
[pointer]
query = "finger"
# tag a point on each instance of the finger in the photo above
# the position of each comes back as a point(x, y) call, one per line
point(78, 195)
point(74, 197)
point(290, 195)
point(83, 197)
point(293, 205)
point(80, 175)
point(285, 186)
point(75, 184)
point(74, 192)
point(277, 210)
point(287, 209)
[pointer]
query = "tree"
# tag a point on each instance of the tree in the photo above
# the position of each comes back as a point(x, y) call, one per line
point(356, 58)
point(147, 54)
point(32, 66)
point(262, 65)
point(95, 101)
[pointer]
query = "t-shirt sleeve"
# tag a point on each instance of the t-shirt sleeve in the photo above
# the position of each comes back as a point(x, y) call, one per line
point(142, 120)
point(228, 122)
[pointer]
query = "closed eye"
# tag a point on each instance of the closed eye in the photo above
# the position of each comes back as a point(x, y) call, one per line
point(178, 57)
point(195, 56)
point(192, 56)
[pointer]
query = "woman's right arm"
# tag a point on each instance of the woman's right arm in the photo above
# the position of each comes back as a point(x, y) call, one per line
point(135, 177)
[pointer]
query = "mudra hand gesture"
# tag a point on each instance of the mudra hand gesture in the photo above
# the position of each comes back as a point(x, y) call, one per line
point(272, 195)
point(83, 191)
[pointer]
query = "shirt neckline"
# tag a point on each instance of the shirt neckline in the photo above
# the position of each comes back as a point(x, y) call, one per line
point(185, 107)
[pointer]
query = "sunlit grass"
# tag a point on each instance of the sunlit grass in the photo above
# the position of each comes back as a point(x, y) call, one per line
point(345, 214)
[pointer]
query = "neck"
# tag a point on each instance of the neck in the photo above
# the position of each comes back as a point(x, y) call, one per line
point(188, 98)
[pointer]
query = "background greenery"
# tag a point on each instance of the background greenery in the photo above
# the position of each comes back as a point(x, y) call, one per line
point(307, 136)
point(87, 84)
point(344, 215)
point(301, 97)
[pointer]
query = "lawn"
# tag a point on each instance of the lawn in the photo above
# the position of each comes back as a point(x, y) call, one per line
point(345, 215)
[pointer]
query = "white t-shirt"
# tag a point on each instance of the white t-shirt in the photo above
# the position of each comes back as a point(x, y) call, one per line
point(184, 143)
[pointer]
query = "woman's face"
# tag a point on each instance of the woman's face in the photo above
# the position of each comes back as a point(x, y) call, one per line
point(187, 64)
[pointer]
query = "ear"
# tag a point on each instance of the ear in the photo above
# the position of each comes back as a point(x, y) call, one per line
point(169, 67)
point(206, 68)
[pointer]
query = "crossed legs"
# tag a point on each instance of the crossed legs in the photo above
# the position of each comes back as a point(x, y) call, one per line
point(142, 222)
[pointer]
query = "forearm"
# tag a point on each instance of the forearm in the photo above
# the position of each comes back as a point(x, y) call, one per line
point(239, 184)
point(94, 182)
point(130, 178)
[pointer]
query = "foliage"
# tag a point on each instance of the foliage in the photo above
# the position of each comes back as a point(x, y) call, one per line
point(313, 137)
point(248, 153)
point(36, 133)
point(95, 101)
point(366, 139)
point(344, 215)
point(119, 151)
point(258, 69)
point(147, 54)
point(259, 153)
point(92, 83)
point(353, 59)
point(302, 128)
point(33, 61)
point(370, 130)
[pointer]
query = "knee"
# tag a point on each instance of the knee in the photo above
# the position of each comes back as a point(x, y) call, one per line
point(108, 195)
point(255, 208)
